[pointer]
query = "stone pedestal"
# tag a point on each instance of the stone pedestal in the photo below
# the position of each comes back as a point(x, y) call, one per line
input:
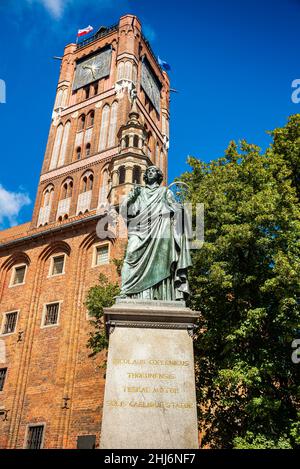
point(150, 399)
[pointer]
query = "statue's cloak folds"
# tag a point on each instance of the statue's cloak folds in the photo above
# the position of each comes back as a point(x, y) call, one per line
point(157, 254)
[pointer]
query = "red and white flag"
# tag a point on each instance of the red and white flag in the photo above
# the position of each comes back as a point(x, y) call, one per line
point(83, 32)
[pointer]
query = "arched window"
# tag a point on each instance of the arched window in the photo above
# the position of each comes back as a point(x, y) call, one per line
point(134, 73)
point(96, 88)
point(64, 191)
point(91, 119)
point(120, 71)
point(87, 92)
point(128, 70)
point(70, 189)
point(88, 150)
point(122, 174)
point(64, 98)
point(161, 163)
point(45, 209)
point(127, 141)
point(136, 175)
point(56, 148)
point(64, 144)
point(78, 153)
point(90, 182)
point(104, 128)
point(157, 155)
point(81, 122)
point(136, 141)
point(58, 98)
point(113, 125)
point(104, 187)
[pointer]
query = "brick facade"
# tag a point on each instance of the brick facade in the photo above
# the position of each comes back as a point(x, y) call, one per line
point(51, 379)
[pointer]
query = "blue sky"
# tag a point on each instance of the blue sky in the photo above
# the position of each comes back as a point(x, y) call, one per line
point(232, 61)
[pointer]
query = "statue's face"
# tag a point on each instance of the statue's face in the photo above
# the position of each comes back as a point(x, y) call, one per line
point(152, 174)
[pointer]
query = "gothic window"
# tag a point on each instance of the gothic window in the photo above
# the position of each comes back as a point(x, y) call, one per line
point(87, 92)
point(91, 119)
point(58, 98)
point(88, 150)
point(122, 174)
point(81, 122)
point(46, 205)
point(87, 182)
point(134, 73)
point(96, 88)
point(120, 71)
point(128, 70)
point(56, 147)
point(127, 141)
point(136, 141)
point(136, 175)
point(64, 144)
point(113, 125)
point(104, 187)
point(104, 128)
point(78, 153)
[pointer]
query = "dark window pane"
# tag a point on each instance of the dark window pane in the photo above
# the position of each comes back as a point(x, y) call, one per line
point(51, 316)
point(19, 275)
point(2, 377)
point(10, 323)
point(35, 437)
point(86, 442)
point(58, 265)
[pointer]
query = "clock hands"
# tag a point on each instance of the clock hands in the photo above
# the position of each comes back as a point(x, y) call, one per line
point(92, 68)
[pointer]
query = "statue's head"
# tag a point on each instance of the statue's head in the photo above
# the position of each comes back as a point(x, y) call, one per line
point(153, 174)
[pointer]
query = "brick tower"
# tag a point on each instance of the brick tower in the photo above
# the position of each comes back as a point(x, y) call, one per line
point(110, 121)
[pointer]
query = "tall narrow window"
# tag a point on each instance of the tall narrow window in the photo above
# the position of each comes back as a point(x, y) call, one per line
point(10, 321)
point(91, 119)
point(122, 174)
point(35, 435)
point(120, 71)
point(78, 153)
point(87, 92)
point(96, 88)
point(136, 141)
point(2, 377)
point(56, 148)
point(104, 187)
point(128, 70)
point(104, 128)
point(113, 125)
point(90, 182)
point(81, 122)
point(136, 175)
point(64, 144)
point(51, 314)
point(88, 150)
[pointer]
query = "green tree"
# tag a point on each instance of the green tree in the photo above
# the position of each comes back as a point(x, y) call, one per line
point(245, 282)
point(99, 297)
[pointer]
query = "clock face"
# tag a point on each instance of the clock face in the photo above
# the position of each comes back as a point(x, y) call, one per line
point(92, 69)
point(151, 86)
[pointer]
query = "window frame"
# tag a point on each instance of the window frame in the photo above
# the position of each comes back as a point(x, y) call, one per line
point(4, 314)
point(46, 326)
point(5, 378)
point(96, 246)
point(51, 267)
point(13, 275)
point(39, 424)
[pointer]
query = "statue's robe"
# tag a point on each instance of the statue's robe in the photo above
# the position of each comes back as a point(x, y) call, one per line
point(157, 256)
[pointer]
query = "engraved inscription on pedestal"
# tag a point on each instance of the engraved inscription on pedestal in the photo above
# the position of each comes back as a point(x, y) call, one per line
point(150, 397)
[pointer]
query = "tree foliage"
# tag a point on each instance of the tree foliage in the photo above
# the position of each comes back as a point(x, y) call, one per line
point(99, 297)
point(245, 283)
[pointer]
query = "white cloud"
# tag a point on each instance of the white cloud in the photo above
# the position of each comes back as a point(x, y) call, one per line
point(54, 7)
point(11, 204)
